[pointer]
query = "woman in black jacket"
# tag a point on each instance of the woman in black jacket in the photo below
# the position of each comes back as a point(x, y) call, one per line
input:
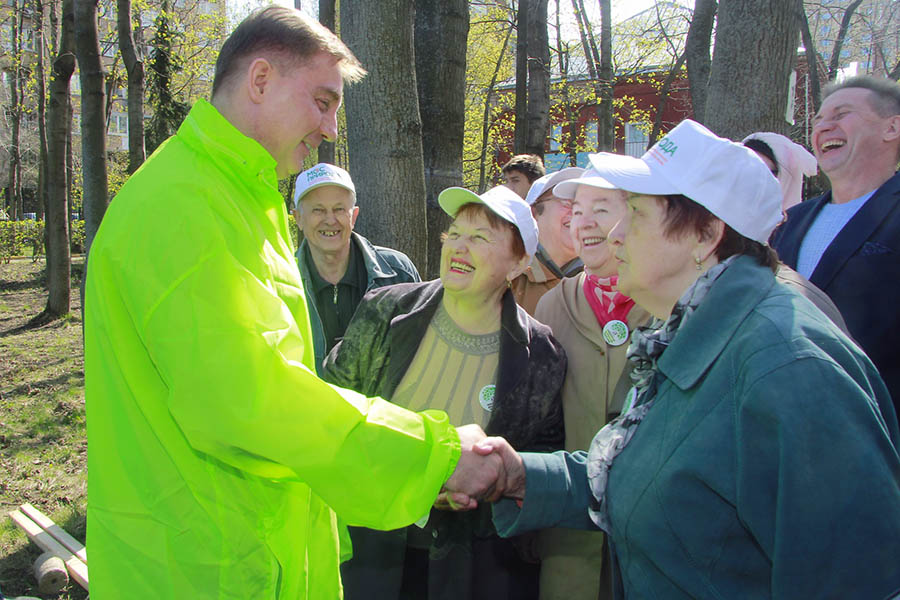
point(462, 345)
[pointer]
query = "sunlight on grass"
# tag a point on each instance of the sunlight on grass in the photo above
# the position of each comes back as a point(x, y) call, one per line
point(43, 447)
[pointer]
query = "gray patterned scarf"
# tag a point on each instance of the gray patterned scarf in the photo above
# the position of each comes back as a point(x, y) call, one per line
point(647, 345)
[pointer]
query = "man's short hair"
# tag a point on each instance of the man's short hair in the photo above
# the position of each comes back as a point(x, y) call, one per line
point(288, 39)
point(885, 100)
point(529, 165)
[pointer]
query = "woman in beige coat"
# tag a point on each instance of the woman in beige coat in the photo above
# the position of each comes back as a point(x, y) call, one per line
point(593, 322)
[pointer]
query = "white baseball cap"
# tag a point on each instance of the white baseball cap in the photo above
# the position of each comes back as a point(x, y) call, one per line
point(726, 178)
point(503, 202)
point(547, 182)
point(319, 175)
point(590, 177)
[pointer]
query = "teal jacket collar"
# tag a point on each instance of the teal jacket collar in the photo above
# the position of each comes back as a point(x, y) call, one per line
point(707, 332)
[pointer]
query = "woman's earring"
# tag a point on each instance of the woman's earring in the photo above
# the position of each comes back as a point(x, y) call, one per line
point(699, 263)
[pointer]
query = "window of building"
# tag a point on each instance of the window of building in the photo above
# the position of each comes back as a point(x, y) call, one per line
point(590, 135)
point(118, 124)
point(636, 139)
point(555, 138)
point(28, 39)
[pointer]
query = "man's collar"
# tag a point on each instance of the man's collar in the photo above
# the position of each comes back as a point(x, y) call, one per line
point(318, 282)
point(205, 125)
point(573, 267)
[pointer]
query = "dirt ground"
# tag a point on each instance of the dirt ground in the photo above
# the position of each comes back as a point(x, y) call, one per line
point(43, 447)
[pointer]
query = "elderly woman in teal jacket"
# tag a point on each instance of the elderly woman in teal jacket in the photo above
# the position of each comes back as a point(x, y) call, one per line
point(756, 456)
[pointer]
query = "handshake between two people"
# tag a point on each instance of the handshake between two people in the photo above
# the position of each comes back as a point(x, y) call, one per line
point(488, 469)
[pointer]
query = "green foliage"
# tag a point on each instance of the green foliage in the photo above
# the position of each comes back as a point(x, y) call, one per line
point(116, 176)
point(76, 235)
point(23, 238)
point(490, 44)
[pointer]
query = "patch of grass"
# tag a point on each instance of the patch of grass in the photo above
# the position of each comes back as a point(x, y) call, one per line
point(43, 446)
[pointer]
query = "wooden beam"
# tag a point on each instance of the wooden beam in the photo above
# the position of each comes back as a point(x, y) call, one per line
point(76, 567)
point(57, 532)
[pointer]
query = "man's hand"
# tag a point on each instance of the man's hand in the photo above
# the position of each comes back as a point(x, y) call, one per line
point(478, 475)
point(478, 480)
point(513, 466)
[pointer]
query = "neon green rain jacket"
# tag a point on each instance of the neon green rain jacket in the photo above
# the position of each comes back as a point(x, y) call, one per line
point(217, 459)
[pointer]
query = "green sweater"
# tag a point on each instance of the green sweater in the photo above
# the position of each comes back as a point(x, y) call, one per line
point(217, 458)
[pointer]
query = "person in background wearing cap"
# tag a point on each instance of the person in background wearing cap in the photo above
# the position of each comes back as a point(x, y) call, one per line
point(593, 321)
point(757, 455)
point(847, 241)
point(521, 171)
point(459, 343)
point(789, 162)
point(555, 257)
point(337, 264)
point(218, 460)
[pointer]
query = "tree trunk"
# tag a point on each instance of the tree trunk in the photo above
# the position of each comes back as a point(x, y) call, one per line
point(58, 125)
point(521, 133)
point(42, 107)
point(812, 60)
point(606, 132)
point(326, 18)
point(14, 183)
point(752, 33)
point(93, 123)
point(442, 28)
point(839, 42)
point(581, 18)
point(384, 129)
point(696, 50)
point(54, 27)
point(538, 104)
point(134, 67)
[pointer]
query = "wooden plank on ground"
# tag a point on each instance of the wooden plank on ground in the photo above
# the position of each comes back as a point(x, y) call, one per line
point(57, 532)
point(77, 569)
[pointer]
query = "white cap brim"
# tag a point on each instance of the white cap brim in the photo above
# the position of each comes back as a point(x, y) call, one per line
point(590, 177)
point(503, 202)
point(550, 181)
point(322, 184)
point(631, 174)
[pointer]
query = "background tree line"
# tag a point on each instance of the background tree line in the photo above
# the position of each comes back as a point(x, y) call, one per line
point(451, 84)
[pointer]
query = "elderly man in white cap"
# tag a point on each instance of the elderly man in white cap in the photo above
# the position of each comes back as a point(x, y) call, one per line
point(555, 257)
point(337, 264)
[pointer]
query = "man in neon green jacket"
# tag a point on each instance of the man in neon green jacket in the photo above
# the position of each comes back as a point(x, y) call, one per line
point(218, 461)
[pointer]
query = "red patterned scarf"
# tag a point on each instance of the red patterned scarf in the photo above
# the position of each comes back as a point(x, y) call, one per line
point(607, 303)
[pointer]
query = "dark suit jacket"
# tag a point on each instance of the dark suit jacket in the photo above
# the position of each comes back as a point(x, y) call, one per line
point(860, 271)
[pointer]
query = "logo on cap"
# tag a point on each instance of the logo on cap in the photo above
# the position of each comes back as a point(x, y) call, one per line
point(315, 173)
point(662, 147)
point(667, 146)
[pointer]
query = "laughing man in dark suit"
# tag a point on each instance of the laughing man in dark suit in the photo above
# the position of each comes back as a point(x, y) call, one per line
point(847, 241)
